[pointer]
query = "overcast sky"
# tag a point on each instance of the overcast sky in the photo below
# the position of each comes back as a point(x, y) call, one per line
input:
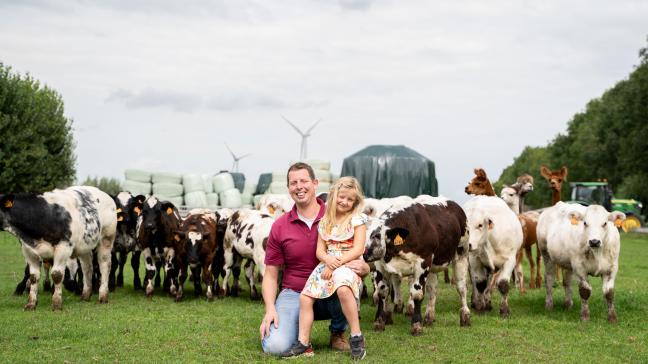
point(162, 85)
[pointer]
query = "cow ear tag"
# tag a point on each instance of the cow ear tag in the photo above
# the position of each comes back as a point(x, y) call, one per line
point(8, 204)
point(119, 209)
point(169, 211)
point(398, 240)
point(137, 210)
point(271, 210)
point(618, 222)
point(176, 237)
point(574, 220)
point(120, 218)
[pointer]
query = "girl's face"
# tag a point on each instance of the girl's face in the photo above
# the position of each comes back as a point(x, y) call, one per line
point(346, 200)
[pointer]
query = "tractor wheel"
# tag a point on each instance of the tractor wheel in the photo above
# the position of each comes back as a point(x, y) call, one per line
point(630, 223)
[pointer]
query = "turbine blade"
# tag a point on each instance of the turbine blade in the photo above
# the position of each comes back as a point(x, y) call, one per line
point(313, 127)
point(293, 125)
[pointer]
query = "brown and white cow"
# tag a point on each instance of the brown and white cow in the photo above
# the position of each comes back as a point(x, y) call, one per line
point(59, 225)
point(416, 240)
point(195, 249)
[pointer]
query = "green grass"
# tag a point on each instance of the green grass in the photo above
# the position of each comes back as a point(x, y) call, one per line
point(133, 329)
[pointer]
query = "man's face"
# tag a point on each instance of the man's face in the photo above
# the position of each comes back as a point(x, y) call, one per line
point(301, 187)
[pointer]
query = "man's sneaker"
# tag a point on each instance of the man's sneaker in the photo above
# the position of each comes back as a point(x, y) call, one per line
point(339, 342)
point(357, 347)
point(298, 349)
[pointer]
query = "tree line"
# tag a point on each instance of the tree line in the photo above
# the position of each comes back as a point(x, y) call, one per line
point(608, 140)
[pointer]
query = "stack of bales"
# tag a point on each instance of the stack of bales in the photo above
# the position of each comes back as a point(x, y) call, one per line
point(228, 195)
point(195, 193)
point(137, 182)
point(248, 190)
point(168, 187)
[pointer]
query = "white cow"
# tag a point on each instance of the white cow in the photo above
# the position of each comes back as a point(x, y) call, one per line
point(275, 204)
point(495, 236)
point(375, 207)
point(584, 242)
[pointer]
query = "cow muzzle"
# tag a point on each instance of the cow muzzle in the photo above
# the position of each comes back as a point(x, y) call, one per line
point(594, 243)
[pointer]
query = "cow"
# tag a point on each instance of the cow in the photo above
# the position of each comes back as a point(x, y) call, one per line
point(375, 207)
point(125, 242)
point(275, 205)
point(416, 240)
point(583, 241)
point(195, 249)
point(156, 227)
point(495, 236)
point(59, 225)
point(247, 234)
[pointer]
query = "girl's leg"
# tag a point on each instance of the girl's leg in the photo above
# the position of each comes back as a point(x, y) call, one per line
point(305, 318)
point(350, 308)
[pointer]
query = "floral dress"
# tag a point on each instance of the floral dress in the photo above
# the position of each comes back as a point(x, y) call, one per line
point(337, 242)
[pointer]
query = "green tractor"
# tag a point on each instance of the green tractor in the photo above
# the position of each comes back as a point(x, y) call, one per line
point(600, 193)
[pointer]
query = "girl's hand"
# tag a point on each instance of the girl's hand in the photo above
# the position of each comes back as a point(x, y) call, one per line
point(332, 262)
point(327, 273)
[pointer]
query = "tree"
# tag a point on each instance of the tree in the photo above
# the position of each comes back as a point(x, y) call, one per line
point(111, 186)
point(36, 152)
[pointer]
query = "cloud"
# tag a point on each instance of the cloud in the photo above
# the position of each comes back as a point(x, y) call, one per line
point(356, 4)
point(149, 98)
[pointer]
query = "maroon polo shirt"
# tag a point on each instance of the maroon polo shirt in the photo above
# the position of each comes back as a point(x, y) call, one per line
point(292, 244)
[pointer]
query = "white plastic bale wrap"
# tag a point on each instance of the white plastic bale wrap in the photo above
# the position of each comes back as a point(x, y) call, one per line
point(166, 177)
point(195, 199)
point(316, 164)
point(137, 175)
point(279, 176)
point(136, 188)
point(168, 189)
point(231, 198)
point(246, 199)
point(323, 175)
point(278, 187)
point(255, 200)
point(207, 183)
point(212, 199)
point(193, 183)
point(222, 182)
point(323, 187)
point(250, 187)
point(175, 200)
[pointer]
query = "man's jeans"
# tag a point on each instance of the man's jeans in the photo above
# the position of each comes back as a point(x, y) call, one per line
point(287, 306)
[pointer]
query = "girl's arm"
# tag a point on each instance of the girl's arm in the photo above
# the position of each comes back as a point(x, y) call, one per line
point(330, 261)
point(359, 234)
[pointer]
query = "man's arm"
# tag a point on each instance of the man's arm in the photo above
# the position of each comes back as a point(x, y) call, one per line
point(359, 266)
point(269, 288)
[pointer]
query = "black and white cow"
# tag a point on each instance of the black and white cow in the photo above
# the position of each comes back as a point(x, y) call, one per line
point(424, 237)
point(156, 229)
point(59, 225)
point(125, 242)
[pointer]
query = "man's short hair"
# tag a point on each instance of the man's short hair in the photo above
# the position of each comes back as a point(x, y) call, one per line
point(301, 165)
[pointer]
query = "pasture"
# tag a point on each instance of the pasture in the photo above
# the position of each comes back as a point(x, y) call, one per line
point(131, 328)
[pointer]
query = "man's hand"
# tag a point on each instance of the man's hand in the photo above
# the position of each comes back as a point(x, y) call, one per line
point(268, 319)
point(332, 262)
point(359, 267)
point(327, 273)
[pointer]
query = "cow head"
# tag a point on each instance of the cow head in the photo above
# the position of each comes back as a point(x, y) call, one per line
point(478, 229)
point(6, 204)
point(597, 224)
point(191, 236)
point(375, 247)
point(480, 184)
point(555, 178)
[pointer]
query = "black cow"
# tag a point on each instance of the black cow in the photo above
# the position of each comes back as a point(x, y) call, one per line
point(127, 215)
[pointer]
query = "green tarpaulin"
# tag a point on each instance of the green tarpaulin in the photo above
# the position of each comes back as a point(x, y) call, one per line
point(391, 170)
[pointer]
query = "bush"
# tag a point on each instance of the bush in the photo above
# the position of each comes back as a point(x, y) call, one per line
point(111, 186)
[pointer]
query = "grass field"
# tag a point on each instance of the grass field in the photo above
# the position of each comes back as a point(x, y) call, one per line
point(133, 329)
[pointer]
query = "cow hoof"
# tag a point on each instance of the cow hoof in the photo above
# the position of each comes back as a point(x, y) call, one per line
point(612, 318)
point(178, 298)
point(549, 306)
point(30, 306)
point(569, 304)
point(464, 319)
point(389, 318)
point(57, 305)
point(409, 311)
point(488, 306)
point(173, 290)
point(585, 317)
point(416, 330)
point(505, 312)
point(103, 298)
point(379, 325)
point(399, 308)
point(428, 320)
point(85, 296)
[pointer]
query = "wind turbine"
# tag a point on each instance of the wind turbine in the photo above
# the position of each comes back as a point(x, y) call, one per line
point(236, 159)
point(302, 149)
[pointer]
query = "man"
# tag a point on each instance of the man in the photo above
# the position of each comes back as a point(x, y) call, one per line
point(292, 244)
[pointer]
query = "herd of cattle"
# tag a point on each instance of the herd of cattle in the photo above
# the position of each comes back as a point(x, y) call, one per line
point(81, 237)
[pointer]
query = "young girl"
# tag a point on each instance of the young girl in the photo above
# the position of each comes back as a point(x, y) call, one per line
point(341, 239)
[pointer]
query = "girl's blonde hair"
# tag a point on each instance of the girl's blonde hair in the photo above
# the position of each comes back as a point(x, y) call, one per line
point(329, 219)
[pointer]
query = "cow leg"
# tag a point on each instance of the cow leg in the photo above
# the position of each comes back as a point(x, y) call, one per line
point(503, 285)
point(34, 263)
point(150, 272)
point(417, 293)
point(446, 276)
point(567, 283)
point(195, 276)
point(227, 269)
point(479, 277)
point(85, 261)
point(170, 273)
point(123, 256)
point(69, 281)
point(430, 310)
point(376, 277)
point(460, 270)
point(114, 264)
point(103, 257)
point(207, 277)
point(396, 296)
point(182, 277)
point(585, 290)
point(608, 293)
point(47, 284)
point(22, 285)
point(549, 279)
point(249, 274)
point(135, 263)
point(382, 292)
point(158, 273)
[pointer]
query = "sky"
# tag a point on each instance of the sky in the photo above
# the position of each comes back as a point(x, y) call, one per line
point(163, 85)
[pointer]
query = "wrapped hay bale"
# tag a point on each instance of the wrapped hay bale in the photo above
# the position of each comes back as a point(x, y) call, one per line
point(166, 177)
point(208, 187)
point(323, 175)
point(249, 188)
point(137, 175)
point(239, 180)
point(323, 187)
point(279, 176)
point(278, 188)
point(246, 199)
point(212, 199)
point(222, 182)
point(168, 189)
point(193, 183)
point(316, 164)
point(195, 199)
point(175, 200)
point(265, 179)
point(255, 200)
point(230, 198)
point(137, 188)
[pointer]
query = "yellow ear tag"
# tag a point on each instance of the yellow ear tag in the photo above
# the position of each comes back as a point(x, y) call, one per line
point(169, 211)
point(271, 210)
point(618, 222)
point(398, 240)
point(177, 237)
point(137, 210)
point(119, 209)
point(8, 204)
point(574, 220)
point(120, 218)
